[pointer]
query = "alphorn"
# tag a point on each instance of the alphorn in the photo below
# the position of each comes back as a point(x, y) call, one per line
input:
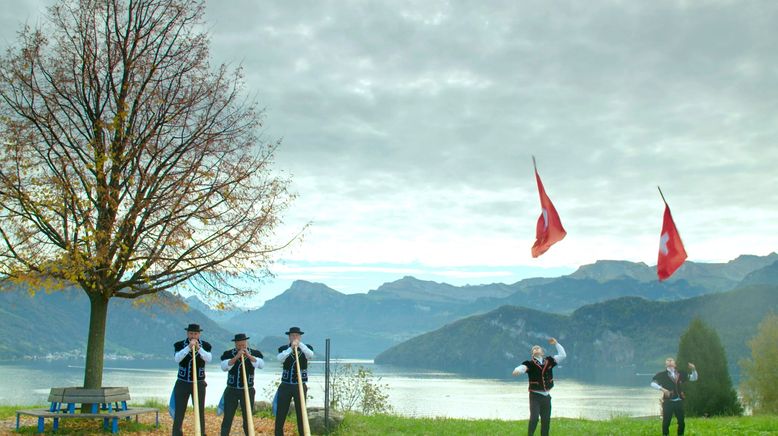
point(195, 397)
point(247, 398)
point(306, 427)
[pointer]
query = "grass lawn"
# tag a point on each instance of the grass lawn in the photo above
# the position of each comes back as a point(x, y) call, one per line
point(387, 425)
point(393, 425)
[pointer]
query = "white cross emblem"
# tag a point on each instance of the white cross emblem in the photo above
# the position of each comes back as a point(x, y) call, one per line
point(663, 243)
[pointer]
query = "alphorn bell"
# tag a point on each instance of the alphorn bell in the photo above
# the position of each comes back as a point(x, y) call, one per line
point(247, 398)
point(306, 427)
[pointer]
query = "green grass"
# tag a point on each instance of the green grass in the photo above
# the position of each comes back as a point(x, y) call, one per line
point(387, 425)
point(7, 412)
point(90, 426)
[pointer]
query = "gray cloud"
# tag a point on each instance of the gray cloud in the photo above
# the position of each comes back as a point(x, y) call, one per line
point(408, 126)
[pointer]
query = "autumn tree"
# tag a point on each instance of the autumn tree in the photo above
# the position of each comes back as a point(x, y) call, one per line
point(712, 394)
point(129, 165)
point(760, 372)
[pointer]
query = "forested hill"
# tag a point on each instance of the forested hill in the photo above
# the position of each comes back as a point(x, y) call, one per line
point(619, 337)
point(57, 324)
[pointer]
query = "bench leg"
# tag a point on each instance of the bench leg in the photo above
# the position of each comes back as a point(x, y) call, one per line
point(40, 425)
point(17, 422)
point(114, 425)
point(56, 424)
point(157, 419)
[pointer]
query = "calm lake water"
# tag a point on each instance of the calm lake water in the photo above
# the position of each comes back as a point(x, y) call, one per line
point(411, 393)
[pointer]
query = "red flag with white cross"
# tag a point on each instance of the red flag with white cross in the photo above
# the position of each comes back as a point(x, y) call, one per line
point(671, 251)
point(549, 229)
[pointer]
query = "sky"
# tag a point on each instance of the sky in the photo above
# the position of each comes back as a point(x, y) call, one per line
point(408, 129)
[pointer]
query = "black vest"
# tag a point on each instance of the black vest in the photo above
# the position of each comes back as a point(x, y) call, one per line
point(289, 375)
point(234, 377)
point(185, 365)
point(674, 386)
point(541, 377)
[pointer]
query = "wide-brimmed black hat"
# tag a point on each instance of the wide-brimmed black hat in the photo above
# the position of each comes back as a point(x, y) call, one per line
point(294, 330)
point(240, 337)
point(194, 328)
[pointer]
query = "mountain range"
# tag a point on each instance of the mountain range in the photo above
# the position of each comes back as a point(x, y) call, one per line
point(360, 325)
point(609, 341)
point(363, 325)
point(55, 324)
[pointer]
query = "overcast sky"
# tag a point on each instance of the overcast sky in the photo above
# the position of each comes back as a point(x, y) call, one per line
point(408, 128)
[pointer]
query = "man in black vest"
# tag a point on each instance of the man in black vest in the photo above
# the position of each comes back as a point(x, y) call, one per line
point(233, 393)
point(539, 370)
point(671, 383)
point(183, 390)
point(288, 388)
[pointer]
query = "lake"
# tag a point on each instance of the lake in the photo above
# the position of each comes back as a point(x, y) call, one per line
point(411, 393)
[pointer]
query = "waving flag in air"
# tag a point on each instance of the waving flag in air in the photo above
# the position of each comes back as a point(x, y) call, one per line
point(549, 229)
point(671, 251)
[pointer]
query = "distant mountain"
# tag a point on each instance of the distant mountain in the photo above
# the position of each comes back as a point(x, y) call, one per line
point(720, 276)
point(218, 315)
point(57, 324)
point(615, 338)
point(362, 325)
point(411, 288)
point(566, 294)
point(605, 270)
point(764, 276)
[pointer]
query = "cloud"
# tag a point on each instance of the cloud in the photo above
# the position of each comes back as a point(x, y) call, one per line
point(408, 126)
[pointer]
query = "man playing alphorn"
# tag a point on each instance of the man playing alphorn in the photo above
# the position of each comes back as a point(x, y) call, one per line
point(539, 370)
point(233, 393)
point(288, 388)
point(183, 389)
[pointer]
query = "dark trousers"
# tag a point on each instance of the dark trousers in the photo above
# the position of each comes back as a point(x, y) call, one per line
point(670, 408)
point(539, 406)
point(286, 392)
point(182, 391)
point(232, 397)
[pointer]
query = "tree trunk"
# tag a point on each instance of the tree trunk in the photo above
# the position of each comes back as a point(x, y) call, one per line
point(98, 315)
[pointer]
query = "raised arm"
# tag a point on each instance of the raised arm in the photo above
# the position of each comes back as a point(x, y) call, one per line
point(560, 352)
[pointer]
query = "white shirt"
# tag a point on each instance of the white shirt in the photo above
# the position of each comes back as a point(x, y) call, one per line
point(186, 350)
point(304, 348)
point(258, 363)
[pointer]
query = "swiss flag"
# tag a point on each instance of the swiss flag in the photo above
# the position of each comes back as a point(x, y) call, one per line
point(549, 229)
point(671, 251)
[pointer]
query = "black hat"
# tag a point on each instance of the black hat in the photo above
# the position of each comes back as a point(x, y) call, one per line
point(194, 328)
point(294, 330)
point(240, 337)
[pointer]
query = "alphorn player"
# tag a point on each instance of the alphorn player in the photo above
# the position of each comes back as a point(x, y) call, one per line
point(233, 393)
point(183, 389)
point(288, 388)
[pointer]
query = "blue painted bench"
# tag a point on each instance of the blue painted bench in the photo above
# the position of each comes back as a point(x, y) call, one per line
point(109, 418)
point(108, 403)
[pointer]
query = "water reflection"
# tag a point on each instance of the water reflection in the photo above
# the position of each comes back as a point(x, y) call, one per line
point(411, 393)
